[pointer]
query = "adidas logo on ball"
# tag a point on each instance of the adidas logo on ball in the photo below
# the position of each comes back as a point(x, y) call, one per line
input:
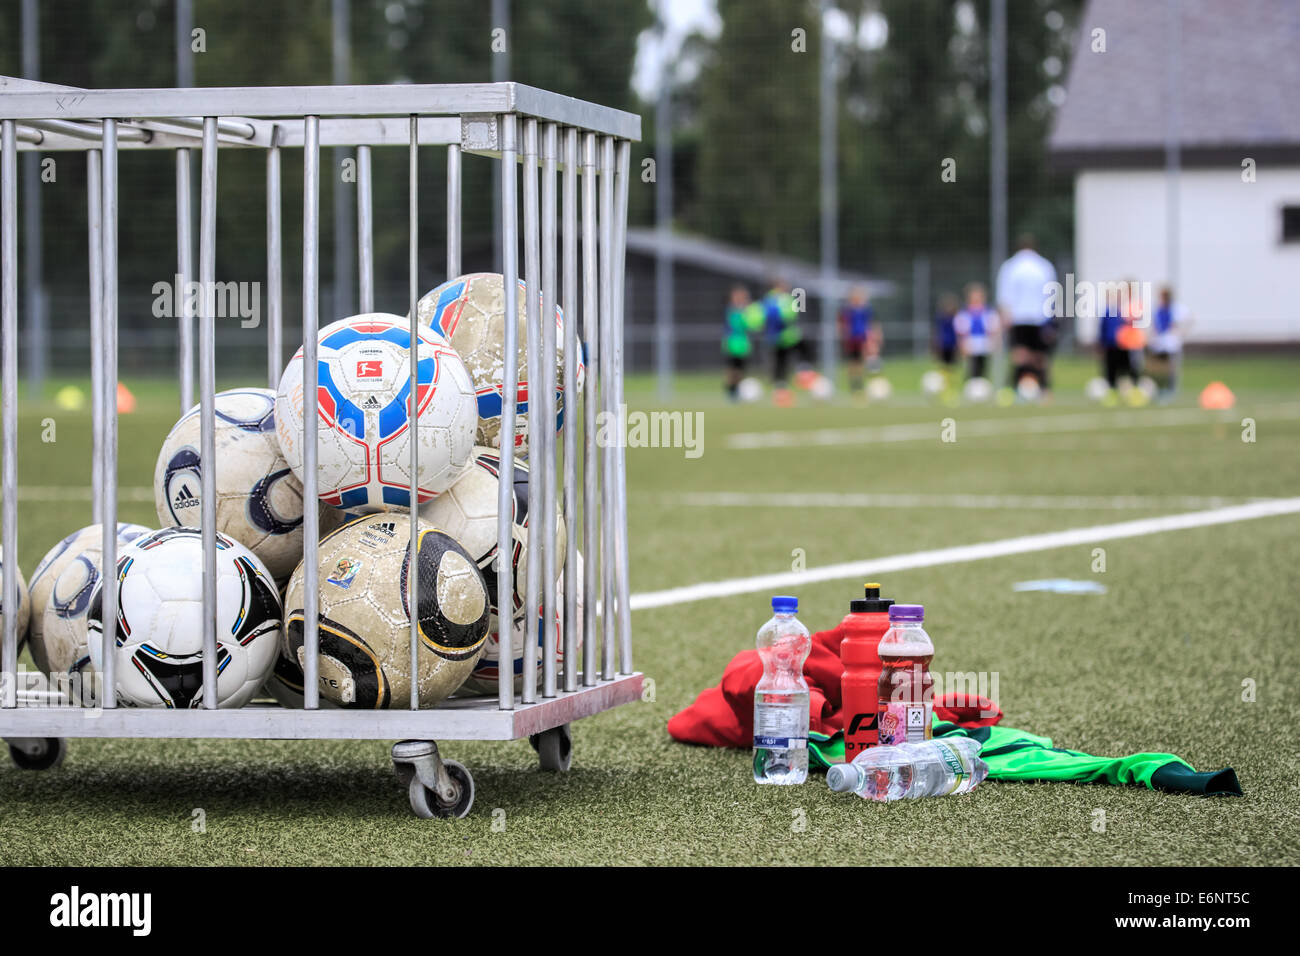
point(185, 499)
point(386, 527)
point(372, 402)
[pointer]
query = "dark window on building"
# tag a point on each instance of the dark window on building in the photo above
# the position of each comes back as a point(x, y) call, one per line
point(1291, 223)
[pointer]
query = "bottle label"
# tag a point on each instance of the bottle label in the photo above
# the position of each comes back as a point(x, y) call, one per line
point(952, 758)
point(780, 743)
point(903, 722)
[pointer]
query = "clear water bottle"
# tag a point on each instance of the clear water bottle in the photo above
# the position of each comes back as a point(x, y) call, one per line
point(781, 698)
point(929, 768)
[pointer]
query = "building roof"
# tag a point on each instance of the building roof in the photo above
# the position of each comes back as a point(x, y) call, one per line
point(1239, 83)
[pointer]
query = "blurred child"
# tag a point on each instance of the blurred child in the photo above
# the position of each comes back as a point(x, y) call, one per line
point(861, 337)
point(741, 320)
point(1169, 326)
point(944, 340)
point(784, 335)
point(1116, 360)
point(975, 326)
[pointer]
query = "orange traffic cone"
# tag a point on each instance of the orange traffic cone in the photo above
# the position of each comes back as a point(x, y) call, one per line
point(125, 400)
point(1216, 395)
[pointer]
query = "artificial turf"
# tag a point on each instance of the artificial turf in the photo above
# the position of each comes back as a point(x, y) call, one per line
point(1190, 621)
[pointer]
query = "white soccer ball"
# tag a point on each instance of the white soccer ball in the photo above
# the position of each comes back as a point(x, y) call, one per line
point(468, 512)
point(879, 389)
point(24, 601)
point(470, 311)
point(80, 551)
point(158, 658)
point(259, 499)
point(364, 617)
point(483, 680)
point(1096, 389)
point(977, 390)
point(932, 382)
point(363, 442)
point(1028, 388)
point(749, 390)
point(1147, 386)
point(822, 388)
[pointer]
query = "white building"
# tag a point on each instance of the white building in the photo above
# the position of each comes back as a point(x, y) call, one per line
point(1238, 186)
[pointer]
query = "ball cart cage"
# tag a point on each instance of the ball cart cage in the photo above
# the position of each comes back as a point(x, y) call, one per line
point(580, 259)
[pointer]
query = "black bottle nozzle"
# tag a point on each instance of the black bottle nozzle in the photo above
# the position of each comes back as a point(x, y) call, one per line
point(871, 602)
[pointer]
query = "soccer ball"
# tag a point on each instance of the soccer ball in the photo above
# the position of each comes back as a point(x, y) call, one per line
point(364, 617)
point(1028, 388)
point(24, 602)
point(933, 382)
point(363, 392)
point(259, 500)
point(879, 389)
point(468, 512)
point(483, 680)
point(749, 390)
point(1147, 386)
point(159, 633)
point(80, 550)
point(977, 390)
point(470, 311)
point(1096, 389)
point(822, 388)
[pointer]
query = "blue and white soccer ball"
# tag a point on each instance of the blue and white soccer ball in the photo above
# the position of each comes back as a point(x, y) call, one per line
point(60, 594)
point(259, 499)
point(363, 393)
point(470, 311)
point(158, 638)
point(24, 602)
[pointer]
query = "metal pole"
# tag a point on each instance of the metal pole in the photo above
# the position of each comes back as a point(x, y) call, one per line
point(1173, 134)
point(453, 210)
point(274, 265)
point(544, 461)
point(184, 276)
point(830, 246)
point(572, 355)
point(184, 52)
point(310, 409)
point(344, 224)
point(207, 403)
point(412, 408)
point(590, 453)
point(920, 305)
point(620, 453)
point(997, 157)
point(609, 398)
point(95, 233)
point(365, 231)
point(532, 292)
point(9, 344)
point(108, 401)
point(500, 74)
point(665, 350)
point(509, 378)
point(38, 346)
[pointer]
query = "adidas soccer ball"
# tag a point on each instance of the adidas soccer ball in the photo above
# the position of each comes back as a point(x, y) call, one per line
point(364, 617)
point(159, 633)
point(483, 680)
point(468, 512)
point(80, 550)
point(363, 442)
point(470, 311)
point(259, 499)
point(24, 601)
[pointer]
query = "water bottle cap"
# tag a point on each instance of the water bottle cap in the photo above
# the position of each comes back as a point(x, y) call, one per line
point(839, 778)
point(784, 604)
point(907, 612)
point(872, 602)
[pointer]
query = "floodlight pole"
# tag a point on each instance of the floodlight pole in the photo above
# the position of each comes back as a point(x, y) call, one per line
point(829, 197)
point(997, 156)
point(665, 357)
point(38, 346)
point(345, 227)
point(1173, 133)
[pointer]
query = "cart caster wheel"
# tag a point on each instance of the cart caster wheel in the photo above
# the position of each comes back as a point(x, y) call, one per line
point(427, 804)
point(38, 753)
point(555, 748)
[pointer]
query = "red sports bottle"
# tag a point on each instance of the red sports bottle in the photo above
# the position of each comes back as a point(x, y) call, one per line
point(863, 627)
point(906, 689)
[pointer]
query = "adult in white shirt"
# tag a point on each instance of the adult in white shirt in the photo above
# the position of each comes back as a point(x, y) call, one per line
point(1025, 284)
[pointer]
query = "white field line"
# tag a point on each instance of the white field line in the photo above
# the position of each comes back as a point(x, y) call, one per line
point(987, 427)
point(874, 567)
point(776, 499)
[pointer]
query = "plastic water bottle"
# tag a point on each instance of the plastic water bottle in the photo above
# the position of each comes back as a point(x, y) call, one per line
point(931, 768)
point(905, 690)
point(781, 698)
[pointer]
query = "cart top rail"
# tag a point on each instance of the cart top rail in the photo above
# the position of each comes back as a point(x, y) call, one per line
point(20, 102)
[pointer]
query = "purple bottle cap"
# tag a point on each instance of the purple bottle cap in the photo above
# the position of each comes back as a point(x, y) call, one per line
point(907, 612)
